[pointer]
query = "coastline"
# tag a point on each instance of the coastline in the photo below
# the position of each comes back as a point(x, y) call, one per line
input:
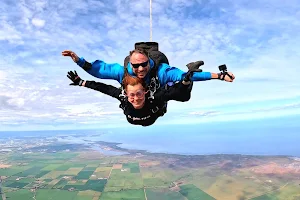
point(114, 146)
point(196, 144)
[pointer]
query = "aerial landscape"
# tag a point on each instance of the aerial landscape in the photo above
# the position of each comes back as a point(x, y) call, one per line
point(149, 100)
point(42, 168)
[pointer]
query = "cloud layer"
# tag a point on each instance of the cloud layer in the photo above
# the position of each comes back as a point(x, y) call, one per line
point(258, 41)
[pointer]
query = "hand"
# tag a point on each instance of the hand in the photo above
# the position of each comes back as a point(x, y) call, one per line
point(193, 67)
point(73, 55)
point(75, 78)
point(229, 77)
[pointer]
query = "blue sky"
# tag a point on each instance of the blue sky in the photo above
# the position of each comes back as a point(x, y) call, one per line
point(258, 40)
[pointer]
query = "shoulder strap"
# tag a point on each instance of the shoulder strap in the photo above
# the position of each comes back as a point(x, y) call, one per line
point(126, 61)
point(157, 56)
point(123, 103)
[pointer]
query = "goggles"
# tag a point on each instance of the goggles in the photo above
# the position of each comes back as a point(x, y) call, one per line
point(144, 64)
point(139, 94)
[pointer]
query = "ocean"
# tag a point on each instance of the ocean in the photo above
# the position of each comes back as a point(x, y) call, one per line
point(262, 137)
point(276, 136)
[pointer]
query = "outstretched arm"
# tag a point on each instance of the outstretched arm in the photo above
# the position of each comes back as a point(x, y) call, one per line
point(173, 74)
point(101, 87)
point(98, 68)
point(104, 88)
point(167, 74)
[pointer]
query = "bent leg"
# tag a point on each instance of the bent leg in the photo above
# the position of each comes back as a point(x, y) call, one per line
point(185, 94)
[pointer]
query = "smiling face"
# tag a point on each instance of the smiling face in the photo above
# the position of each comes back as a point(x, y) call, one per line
point(140, 64)
point(136, 95)
point(135, 89)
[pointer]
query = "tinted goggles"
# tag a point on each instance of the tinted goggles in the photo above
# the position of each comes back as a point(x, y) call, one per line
point(144, 64)
point(139, 94)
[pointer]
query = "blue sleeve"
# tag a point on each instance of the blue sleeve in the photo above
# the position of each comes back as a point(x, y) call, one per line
point(166, 74)
point(103, 70)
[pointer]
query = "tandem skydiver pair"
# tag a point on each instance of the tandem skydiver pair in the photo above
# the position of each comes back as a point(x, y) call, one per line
point(147, 81)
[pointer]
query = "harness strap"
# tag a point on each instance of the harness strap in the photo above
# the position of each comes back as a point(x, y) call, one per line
point(222, 75)
point(154, 110)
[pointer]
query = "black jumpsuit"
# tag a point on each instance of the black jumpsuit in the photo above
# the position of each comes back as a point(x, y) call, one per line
point(147, 115)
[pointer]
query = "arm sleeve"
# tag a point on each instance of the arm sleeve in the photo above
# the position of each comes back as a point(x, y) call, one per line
point(167, 74)
point(173, 93)
point(102, 70)
point(106, 89)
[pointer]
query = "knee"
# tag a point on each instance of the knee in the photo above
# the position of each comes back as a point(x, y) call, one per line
point(184, 97)
point(187, 97)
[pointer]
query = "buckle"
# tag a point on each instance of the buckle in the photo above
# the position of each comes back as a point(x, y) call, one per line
point(154, 111)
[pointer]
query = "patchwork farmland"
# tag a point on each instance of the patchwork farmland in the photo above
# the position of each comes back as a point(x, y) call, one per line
point(90, 175)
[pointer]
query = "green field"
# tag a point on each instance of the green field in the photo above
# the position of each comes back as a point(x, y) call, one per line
point(44, 194)
point(17, 185)
point(84, 174)
point(163, 194)
point(134, 167)
point(125, 194)
point(96, 185)
point(42, 173)
point(191, 192)
point(20, 194)
point(13, 170)
point(64, 167)
point(72, 176)
point(124, 180)
point(60, 184)
point(155, 182)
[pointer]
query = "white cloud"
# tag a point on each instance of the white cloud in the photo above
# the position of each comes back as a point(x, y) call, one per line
point(261, 48)
point(38, 22)
point(2, 75)
point(19, 102)
point(40, 62)
point(9, 33)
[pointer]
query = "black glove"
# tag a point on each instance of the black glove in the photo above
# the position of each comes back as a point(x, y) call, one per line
point(193, 67)
point(75, 78)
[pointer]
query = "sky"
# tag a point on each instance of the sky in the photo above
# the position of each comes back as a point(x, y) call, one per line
point(258, 41)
